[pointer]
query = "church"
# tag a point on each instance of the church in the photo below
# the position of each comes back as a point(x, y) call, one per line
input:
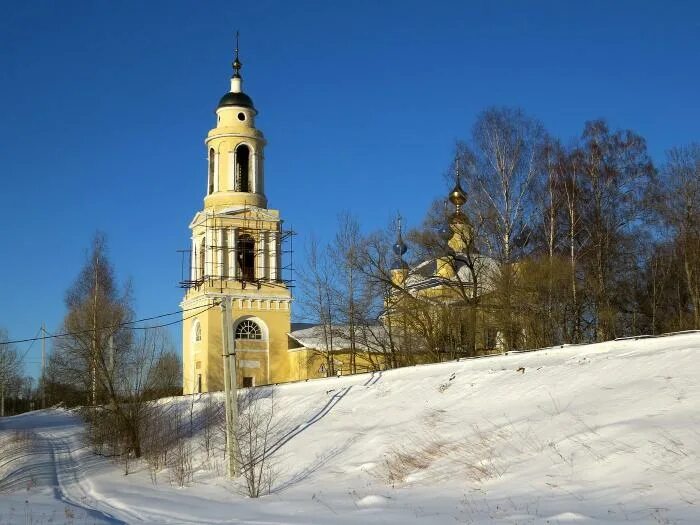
point(236, 253)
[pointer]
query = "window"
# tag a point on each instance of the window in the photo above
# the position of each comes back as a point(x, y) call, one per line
point(241, 116)
point(202, 259)
point(247, 382)
point(199, 383)
point(212, 162)
point(245, 255)
point(248, 329)
point(197, 331)
point(242, 168)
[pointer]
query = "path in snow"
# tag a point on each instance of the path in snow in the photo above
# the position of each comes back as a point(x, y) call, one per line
point(43, 463)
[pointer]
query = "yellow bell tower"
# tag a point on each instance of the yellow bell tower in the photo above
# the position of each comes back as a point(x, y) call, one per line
point(236, 253)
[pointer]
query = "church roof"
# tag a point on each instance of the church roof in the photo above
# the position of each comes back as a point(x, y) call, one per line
point(370, 338)
point(425, 275)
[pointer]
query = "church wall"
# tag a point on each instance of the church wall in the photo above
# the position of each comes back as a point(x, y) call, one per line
point(264, 360)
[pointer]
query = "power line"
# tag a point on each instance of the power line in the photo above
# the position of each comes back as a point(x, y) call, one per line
point(120, 325)
point(174, 322)
point(33, 340)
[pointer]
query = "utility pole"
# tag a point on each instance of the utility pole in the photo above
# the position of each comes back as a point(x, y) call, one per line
point(94, 338)
point(230, 385)
point(43, 365)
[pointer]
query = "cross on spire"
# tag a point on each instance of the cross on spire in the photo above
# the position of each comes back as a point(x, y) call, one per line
point(237, 64)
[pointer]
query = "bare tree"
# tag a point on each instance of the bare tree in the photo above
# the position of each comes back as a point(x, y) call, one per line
point(121, 370)
point(502, 163)
point(681, 210)
point(347, 248)
point(10, 368)
point(317, 300)
point(256, 430)
point(96, 321)
point(166, 375)
point(615, 173)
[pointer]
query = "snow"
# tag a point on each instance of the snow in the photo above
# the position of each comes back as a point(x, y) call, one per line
point(315, 338)
point(605, 433)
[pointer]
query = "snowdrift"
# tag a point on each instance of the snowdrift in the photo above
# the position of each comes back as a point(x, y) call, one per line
point(604, 433)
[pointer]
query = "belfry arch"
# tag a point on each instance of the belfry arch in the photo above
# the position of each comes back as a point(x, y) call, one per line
point(245, 253)
point(212, 169)
point(243, 168)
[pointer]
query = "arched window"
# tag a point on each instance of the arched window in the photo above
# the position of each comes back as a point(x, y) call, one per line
point(245, 255)
point(212, 162)
point(248, 329)
point(196, 331)
point(243, 168)
point(202, 259)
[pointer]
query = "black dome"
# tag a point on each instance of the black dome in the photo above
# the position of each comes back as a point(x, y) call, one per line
point(236, 99)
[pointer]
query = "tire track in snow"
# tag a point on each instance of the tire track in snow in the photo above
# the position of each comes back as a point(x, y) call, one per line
point(66, 479)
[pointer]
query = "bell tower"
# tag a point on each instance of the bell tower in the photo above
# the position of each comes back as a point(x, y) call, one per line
point(236, 252)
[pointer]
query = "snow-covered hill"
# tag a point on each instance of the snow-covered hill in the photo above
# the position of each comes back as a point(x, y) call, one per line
point(606, 433)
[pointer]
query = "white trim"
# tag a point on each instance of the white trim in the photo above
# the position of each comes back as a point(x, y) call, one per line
point(208, 262)
point(221, 245)
point(272, 255)
point(256, 320)
point(193, 260)
point(231, 170)
point(236, 135)
point(232, 263)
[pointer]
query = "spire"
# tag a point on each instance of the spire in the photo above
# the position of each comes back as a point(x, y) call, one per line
point(457, 196)
point(399, 248)
point(236, 80)
point(237, 64)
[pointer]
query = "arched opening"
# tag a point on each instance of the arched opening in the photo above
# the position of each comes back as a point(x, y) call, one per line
point(245, 253)
point(243, 168)
point(248, 329)
point(196, 331)
point(201, 260)
point(212, 162)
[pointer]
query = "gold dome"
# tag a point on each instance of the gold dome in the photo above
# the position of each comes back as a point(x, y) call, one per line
point(457, 196)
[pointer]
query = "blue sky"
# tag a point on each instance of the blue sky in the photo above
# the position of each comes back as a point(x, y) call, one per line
point(105, 106)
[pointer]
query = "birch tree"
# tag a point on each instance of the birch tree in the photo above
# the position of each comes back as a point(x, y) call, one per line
point(503, 157)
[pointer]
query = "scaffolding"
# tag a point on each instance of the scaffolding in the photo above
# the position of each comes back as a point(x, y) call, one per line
point(245, 248)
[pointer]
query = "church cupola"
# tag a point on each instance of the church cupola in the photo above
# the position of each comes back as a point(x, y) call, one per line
point(399, 268)
point(235, 158)
point(236, 97)
point(460, 239)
